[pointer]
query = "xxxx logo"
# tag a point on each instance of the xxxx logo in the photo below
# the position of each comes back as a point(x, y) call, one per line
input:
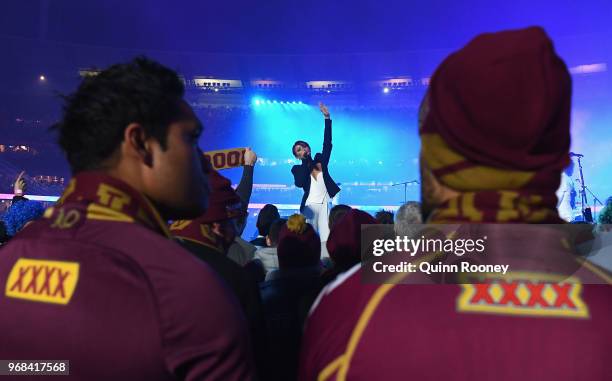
point(43, 281)
point(528, 294)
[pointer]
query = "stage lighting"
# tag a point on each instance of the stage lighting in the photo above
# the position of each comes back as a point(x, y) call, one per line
point(386, 90)
point(256, 101)
point(42, 78)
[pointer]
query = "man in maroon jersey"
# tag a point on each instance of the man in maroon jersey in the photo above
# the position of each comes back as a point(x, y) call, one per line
point(98, 281)
point(494, 138)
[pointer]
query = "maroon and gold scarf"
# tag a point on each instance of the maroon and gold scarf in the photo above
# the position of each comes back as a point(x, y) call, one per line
point(109, 199)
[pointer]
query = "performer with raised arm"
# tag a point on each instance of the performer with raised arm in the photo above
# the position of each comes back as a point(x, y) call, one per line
point(566, 194)
point(313, 176)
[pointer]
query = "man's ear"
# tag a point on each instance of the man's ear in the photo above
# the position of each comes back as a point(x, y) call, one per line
point(137, 144)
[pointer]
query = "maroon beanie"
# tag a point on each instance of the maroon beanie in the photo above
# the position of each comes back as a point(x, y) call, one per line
point(298, 244)
point(344, 242)
point(224, 203)
point(504, 101)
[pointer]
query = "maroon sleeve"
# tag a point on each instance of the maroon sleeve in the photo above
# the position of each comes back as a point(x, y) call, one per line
point(203, 331)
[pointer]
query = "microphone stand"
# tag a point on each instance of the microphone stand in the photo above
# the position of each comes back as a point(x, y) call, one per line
point(405, 184)
point(595, 200)
point(586, 211)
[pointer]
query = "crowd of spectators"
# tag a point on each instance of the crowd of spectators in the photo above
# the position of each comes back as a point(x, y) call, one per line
point(155, 236)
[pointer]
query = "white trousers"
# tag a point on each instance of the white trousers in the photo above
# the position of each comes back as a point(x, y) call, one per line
point(318, 216)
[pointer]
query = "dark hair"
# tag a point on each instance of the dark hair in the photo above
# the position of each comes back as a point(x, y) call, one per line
point(605, 216)
point(299, 143)
point(267, 215)
point(275, 228)
point(96, 115)
point(384, 217)
point(336, 213)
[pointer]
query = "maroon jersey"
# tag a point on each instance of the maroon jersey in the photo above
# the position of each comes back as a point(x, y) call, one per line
point(97, 282)
point(526, 326)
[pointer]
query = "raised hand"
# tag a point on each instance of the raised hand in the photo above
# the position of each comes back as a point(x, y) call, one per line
point(324, 109)
point(20, 185)
point(250, 157)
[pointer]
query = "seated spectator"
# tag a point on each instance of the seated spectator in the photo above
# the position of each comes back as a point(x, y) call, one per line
point(605, 216)
point(599, 250)
point(268, 255)
point(267, 215)
point(384, 217)
point(114, 282)
point(336, 213)
point(289, 292)
point(344, 243)
point(242, 251)
point(209, 237)
point(20, 214)
point(406, 219)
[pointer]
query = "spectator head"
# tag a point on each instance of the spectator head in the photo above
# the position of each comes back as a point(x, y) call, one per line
point(384, 217)
point(217, 227)
point(299, 244)
point(605, 216)
point(336, 213)
point(272, 237)
point(301, 149)
point(406, 217)
point(267, 215)
point(344, 242)
point(495, 122)
point(20, 214)
point(131, 120)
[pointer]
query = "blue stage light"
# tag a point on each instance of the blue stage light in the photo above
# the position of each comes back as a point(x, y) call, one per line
point(386, 90)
